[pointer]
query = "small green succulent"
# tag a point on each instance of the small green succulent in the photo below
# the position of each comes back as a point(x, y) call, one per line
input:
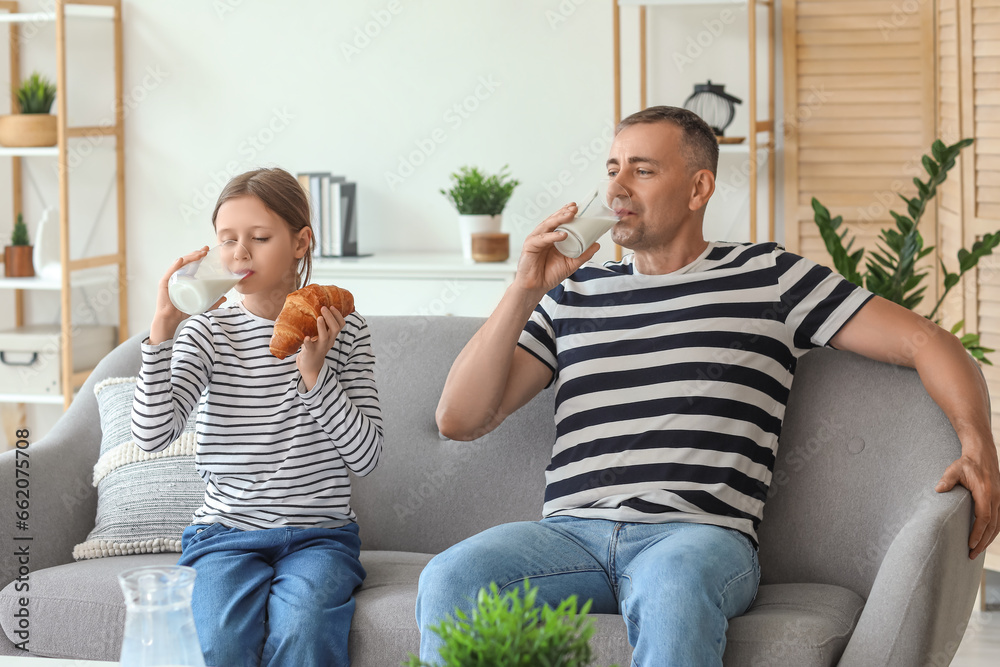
point(20, 235)
point(476, 193)
point(36, 94)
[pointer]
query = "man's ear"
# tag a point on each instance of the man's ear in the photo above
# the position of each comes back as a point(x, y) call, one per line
point(302, 239)
point(702, 187)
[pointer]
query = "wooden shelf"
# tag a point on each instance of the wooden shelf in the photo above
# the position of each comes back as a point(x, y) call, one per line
point(105, 270)
point(78, 279)
point(72, 11)
point(47, 151)
point(680, 3)
point(754, 143)
point(55, 399)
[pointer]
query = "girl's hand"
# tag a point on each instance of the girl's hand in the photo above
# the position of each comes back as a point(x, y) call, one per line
point(167, 317)
point(312, 356)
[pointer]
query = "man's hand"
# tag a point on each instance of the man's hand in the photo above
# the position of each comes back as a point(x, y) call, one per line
point(312, 356)
point(541, 266)
point(982, 478)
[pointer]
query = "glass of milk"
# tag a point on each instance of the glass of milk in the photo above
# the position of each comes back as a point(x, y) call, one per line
point(195, 287)
point(594, 219)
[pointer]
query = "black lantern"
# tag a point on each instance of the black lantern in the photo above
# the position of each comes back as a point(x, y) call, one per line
point(715, 106)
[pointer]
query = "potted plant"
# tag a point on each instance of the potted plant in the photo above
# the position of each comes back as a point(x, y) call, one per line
point(890, 272)
point(509, 629)
point(32, 125)
point(480, 200)
point(17, 256)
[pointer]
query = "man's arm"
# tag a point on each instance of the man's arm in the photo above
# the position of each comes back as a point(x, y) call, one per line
point(492, 377)
point(887, 332)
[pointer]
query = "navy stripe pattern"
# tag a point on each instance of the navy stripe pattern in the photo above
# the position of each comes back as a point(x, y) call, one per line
point(671, 389)
point(271, 453)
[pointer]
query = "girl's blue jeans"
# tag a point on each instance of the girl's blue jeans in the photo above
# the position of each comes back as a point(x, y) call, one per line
point(282, 596)
point(675, 584)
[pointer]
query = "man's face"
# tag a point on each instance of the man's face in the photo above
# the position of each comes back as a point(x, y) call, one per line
point(649, 161)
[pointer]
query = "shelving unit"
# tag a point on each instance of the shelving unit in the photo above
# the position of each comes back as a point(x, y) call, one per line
point(757, 126)
point(76, 272)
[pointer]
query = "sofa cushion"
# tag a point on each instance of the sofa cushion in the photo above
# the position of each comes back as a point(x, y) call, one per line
point(794, 624)
point(144, 500)
point(77, 611)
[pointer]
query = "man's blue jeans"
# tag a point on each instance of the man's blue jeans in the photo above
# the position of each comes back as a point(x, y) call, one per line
point(282, 596)
point(675, 584)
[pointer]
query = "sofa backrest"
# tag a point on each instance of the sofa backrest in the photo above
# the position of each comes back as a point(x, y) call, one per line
point(428, 493)
point(862, 446)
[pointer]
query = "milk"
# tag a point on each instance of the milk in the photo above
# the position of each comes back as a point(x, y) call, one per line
point(196, 295)
point(581, 233)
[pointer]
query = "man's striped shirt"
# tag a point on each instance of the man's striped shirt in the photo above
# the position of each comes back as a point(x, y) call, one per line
point(671, 389)
point(271, 453)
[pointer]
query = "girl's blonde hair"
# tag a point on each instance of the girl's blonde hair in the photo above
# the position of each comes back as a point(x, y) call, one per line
point(280, 192)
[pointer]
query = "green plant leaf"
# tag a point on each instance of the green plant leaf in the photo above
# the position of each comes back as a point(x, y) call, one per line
point(930, 166)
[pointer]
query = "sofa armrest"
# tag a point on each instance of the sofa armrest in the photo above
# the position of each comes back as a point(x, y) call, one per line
point(925, 589)
point(63, 500)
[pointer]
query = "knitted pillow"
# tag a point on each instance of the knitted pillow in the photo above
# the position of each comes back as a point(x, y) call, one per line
point(144, 500)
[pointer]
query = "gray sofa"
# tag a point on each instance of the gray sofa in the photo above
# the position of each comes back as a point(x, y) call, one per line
point(862, 562)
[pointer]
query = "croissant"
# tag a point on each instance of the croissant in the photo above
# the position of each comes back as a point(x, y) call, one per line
point(297, 319)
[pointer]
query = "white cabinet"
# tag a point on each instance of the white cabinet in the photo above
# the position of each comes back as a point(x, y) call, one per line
point(418, 284)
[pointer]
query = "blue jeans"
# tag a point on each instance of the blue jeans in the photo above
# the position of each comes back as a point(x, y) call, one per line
point(283, 596)
point(675, 584)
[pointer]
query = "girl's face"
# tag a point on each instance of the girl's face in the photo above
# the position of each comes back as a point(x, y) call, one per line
point(274, 249)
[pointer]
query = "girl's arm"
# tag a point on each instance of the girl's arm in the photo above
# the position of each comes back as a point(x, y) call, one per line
point(170, 384)
point(171, 380)
point(347, 408)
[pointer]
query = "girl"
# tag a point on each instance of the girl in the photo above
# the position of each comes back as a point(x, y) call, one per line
point(275, 543)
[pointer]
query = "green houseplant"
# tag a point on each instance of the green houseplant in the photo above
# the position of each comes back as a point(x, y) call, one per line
point(509, 629)
point(17, 256)
point(891, 270)
point(480, 199)
point(31, 125)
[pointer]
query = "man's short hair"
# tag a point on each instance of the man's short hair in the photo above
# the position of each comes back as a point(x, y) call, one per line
point(701, 148)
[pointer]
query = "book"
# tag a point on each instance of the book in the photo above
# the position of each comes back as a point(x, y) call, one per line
point(316, 211)
point(306, 180)
point(326, 232)
point(349, 220)
point(336, 219)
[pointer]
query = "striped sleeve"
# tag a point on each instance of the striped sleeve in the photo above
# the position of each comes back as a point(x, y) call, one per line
point(538, 337)
point(171, 379)
point(347, 408)
point(816, 301)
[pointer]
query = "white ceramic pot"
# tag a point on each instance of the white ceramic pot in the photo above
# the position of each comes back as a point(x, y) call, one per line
point(473, 224)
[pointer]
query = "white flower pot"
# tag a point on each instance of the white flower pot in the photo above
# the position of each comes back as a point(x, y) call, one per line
point(473, 224)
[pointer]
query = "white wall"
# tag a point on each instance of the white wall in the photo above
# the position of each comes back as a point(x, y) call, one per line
point(216, 87)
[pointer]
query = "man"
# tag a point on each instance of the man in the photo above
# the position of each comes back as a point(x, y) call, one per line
point(672, 370)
